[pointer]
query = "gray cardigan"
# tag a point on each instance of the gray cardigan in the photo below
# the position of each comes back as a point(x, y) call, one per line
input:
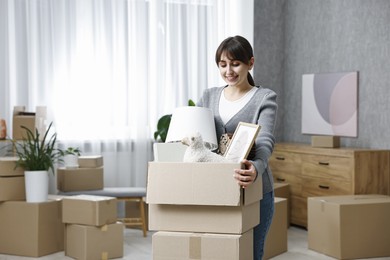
point(261, 110)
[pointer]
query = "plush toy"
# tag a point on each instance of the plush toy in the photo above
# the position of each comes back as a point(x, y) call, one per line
point(197, 152)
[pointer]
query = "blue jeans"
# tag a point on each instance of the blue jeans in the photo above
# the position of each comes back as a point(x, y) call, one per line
point(260, 231)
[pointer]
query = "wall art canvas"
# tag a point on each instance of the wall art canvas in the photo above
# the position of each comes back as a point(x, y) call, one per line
point(330, 104)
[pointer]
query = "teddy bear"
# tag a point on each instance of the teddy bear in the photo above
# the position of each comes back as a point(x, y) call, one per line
point(197, 152)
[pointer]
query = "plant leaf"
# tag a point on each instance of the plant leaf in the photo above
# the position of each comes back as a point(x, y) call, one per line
point(36, 154)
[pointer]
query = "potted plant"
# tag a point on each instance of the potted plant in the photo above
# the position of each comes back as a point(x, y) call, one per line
point(163, 125)
point(37, 155)
point(71, 157)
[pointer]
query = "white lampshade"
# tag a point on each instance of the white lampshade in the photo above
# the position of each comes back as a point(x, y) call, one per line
point(188, 120)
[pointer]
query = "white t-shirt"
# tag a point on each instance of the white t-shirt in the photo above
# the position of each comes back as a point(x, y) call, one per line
point(227, 109)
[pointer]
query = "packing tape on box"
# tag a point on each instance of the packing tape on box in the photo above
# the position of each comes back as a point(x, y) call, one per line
point(323, 205)
point(104, 228)
point(195, 247)
point(104, 255)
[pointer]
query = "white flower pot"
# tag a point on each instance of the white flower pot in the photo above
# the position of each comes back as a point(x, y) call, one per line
point(37, 185)
point(71, 161)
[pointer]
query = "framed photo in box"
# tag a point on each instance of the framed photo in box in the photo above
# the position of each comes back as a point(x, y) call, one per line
point(242, 141)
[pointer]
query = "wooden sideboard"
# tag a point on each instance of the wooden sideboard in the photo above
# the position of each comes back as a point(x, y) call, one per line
point(312, 172)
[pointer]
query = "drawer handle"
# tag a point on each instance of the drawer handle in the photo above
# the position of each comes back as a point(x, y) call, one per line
point(279, 158)
point(323, 163)
point(280, 179)
point(323, 187)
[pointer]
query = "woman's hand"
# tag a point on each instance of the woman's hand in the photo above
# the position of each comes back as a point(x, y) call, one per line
point(246, 176)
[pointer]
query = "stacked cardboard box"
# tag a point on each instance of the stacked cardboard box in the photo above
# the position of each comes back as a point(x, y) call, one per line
point(282, 190)
point(276, 241)
point(187, 245)
point(186, 199)
point(31, 120)
point(26, 229)
point(91, 230)
point(11, 180)
point(349, 226)
point(88, 176)
point(31, 229)
point(90, 161)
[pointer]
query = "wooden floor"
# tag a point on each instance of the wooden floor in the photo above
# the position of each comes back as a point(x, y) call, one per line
point(137, 247)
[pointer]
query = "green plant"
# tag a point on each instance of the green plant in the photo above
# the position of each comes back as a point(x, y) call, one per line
point(35, 153)
point(163, 125)
point(162, 128)
point(70, 150)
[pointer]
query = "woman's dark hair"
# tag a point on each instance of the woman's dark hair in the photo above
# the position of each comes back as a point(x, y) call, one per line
point(236, 48)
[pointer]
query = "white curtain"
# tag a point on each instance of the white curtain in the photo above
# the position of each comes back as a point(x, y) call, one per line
point(108, 69)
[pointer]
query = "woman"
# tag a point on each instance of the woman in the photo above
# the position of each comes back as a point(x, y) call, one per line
point(241, 100)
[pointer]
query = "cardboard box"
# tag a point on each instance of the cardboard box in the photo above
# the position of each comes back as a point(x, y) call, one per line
point(198, 184)
point(18, 133)
point(350, 227)
point(199, 218)
point(31, 229)
point(8, 167)
point(89, 210)
point(325, 141)
point(12, 188)
point(276, 241)
point(56, 197)
point(31, 120)
point(188, 246)
point(88, 242)
point(282, 190)
point(90, 161)
point(80, 179)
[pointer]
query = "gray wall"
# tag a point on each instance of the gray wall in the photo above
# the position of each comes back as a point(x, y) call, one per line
point(295, 37)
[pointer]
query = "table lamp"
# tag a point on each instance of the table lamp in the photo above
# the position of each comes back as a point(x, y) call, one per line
point(190, 119)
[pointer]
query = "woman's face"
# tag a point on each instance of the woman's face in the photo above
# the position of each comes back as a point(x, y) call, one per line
point(234, 72)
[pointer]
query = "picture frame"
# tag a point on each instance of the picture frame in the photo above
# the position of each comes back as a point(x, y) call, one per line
point(242, 141)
